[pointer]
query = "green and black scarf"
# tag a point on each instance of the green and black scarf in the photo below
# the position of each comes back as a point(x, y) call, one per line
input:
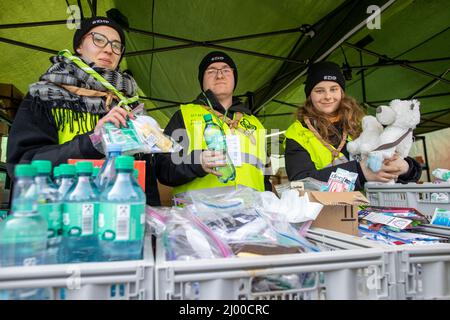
point(66, 107)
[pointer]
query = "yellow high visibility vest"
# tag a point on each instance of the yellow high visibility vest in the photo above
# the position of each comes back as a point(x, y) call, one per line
point(250, 173)
point(320, 154)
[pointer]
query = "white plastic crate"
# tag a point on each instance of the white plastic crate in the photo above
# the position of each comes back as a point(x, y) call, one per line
point(425, 272)
point(119, 280)
point(422, 271)
point(352, 270)
point(424, 197)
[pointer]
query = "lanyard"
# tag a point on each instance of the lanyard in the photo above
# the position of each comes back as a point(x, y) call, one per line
point(234, 124)
point(334, 152)
point(221, 122)
point(124, 101)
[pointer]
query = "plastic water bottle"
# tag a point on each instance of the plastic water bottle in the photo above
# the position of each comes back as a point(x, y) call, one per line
point(56, 176)
point(215, 140)
point(23, 235)
point(95, 172)
point(80, 214)
point(67, 172)
point(50, 207)
point(122, 215)
point(108, 170)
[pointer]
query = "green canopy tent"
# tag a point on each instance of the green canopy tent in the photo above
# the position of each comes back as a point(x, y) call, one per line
point(271, 41)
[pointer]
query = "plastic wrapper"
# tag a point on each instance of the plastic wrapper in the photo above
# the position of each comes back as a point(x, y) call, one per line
point(143, 135)
point(186, 238)
point(222, 199)
point(238, 218)
point(342, 181)
point(285, 282)
point(441, 174)
point(156, 219)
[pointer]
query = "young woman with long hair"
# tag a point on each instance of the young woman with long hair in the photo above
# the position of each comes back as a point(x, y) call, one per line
point(316, 143)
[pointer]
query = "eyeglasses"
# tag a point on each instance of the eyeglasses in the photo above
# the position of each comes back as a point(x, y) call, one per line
point(102, 41)
point(213, 72)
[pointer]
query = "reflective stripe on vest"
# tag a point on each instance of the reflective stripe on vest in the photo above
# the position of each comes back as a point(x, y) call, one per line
point(250, 173)
point(320, 155)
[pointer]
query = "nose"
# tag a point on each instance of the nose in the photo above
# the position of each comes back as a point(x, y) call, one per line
point(219, 74)
point(379, 110)
point(108, 48)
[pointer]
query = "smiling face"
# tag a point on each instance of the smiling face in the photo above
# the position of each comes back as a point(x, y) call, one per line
point(102, 57)
point(326, 96)
point(219, 78)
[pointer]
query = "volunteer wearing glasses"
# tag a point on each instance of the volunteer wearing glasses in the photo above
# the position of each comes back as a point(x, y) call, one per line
point(316, 143)
point(60, 111)
point(194, 169)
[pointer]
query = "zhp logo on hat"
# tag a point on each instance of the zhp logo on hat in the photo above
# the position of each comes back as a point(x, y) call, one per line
point(329, 78)
point(100, 21)
point(217, 58)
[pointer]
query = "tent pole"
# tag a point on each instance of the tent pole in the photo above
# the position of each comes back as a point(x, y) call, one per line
point(93, 7)
point(81, 9)
point(397, 62)
point(402, 64)
point(32, 24)
point(363, 79)
point(28, 46)
point(427, 166)
point(207, 45)
point(415, 97)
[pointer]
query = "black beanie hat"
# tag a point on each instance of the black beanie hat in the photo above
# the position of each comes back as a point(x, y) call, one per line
point(323, 71)
point(212, 57)
point(88, 24)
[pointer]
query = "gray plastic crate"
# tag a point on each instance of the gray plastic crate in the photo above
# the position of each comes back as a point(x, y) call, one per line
point(422, 271)
point(424, 197)
point(349, 270)
point(425, 272)
point(119, 280)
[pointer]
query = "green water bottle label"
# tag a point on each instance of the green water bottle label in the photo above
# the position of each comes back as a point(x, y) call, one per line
point(52, 213)
point(121, 221)
point(80, 219)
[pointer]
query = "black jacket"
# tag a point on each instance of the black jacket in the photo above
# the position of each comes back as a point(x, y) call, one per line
point(299, 165)
point(34, 136)
point(172, 174)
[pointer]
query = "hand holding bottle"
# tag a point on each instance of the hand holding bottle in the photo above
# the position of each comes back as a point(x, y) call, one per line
point(212, 159)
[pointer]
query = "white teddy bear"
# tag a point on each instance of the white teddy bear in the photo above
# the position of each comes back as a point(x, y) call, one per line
point(368, 140)
point(400, 118)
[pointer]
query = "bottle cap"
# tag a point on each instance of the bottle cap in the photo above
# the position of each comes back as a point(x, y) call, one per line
point(42, 166)
point(125, 162)
point(84, 167)
point(56, 171)
point(67, 169)
point(24, 170)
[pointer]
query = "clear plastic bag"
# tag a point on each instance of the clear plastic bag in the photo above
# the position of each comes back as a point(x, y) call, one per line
point(237, 217)
point(187, 238)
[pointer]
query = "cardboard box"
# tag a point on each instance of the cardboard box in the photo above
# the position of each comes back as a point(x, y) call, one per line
point(138, 164)
point(165, 195)
point(340, 211)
